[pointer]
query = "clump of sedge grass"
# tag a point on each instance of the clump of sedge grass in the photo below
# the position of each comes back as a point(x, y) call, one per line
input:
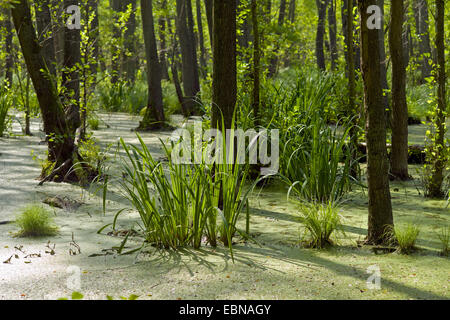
point(35, 221)
point(405, 238)
point(444, 237)
point(320, 221)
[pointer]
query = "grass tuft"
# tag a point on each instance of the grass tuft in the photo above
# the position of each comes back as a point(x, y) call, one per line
point(444, 237)
point(405, 238)
point(320, 221)
point(35, 221)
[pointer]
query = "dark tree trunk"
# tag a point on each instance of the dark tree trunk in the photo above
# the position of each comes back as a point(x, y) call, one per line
point(224, 62)
point(208, 9)
point(352, 112)
point(190, 78)
point(399, 154)
point(292, 5)
point(162, 42)
point(45, 28)
point(439, 159)
point(61, 147)
point(129, 62)
point(421, 18)
point(9, 62)
point(154, 116)
point(174, 67)
point(71, 73)
point(380, 209)
point(320, 34)
point(383, 65)
point(117, 34)
point(332, 30)
point(274, 61)
point(256, 62)
point(94, 34)
point(201, 40)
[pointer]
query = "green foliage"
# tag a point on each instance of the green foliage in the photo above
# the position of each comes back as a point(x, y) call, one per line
point(444, 237)
point(418, 100)
point(122, 97)
point(91, 153)
point(35, 221)
point(94, 123)
point(320, 220)
point(312, 149)
point(79, 296)
point(405, 238)
point(5, 105)
point(178, 203)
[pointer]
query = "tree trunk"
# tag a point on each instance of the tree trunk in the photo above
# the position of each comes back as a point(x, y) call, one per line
point(439, 158)
point(62, 150)
point(332, 30)
point(421, 18)
point(154, 116)
point(44, 27)
point(71, 73)
point(380, 208)
point(224, 84)
point(256, 62)
point(383, 65)
point(174, 67)
point(208, 9)
point(399, 154)
point(129, 62)
point(320, 34)
point(352, 112)
point(117, 34)
point(9, 61)
point(201, 40)
point(274, 61)
point(190, 78)
point(292, 5)
point(94, 34)
point(162, 42)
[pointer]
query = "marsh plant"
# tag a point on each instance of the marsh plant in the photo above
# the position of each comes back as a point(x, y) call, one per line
point(321, 221)
point(314, 157)
point(444, 237)
point(35, 221)
point(5, 105)
point(404, 237)
point(183, 204)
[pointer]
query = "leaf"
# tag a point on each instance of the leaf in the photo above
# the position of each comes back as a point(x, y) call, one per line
point(133, 297)
point(77, 296)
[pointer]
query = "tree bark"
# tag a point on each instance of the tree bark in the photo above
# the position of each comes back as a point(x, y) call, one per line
point(71, 73)
point(274, 61)
point(201, 40)
point(440, 158)
point(352, 112)
point(332, 30)
point(9, 61)
point(292, 5)
point(129, 62)
point(383, 65)
point(224, 63)
point(45, 28)
point(399, 153)
point(380, 208)
point(154, 117)
point(320, 34)
point(190, 78)
point(60, 135)
point(421, 18)
point(208, 9)
point(256, 62)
